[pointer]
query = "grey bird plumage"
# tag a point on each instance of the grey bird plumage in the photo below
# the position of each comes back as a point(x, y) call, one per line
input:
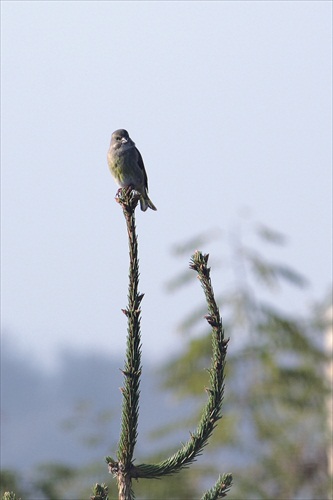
point(127, 167)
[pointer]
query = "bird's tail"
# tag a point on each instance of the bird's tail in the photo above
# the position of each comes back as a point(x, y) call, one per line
point(145, 202)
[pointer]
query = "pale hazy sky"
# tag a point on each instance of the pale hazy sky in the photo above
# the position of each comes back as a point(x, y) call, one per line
point(230, 105)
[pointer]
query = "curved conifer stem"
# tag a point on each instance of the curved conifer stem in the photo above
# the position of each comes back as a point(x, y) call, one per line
point(212, 410)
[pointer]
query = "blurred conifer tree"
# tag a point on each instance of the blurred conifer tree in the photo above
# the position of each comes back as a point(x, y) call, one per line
point(274, 432)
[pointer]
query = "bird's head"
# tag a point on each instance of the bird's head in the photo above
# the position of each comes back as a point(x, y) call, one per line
point(121, 141)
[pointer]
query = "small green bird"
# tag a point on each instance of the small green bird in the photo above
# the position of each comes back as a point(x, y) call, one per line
point(126, 165)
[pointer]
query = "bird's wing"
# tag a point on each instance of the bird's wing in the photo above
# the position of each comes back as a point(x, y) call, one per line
point(142, 166)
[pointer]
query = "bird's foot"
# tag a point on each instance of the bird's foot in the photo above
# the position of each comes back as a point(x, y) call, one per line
point(123, 192)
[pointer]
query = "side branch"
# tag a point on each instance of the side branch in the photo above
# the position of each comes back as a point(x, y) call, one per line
point(220, 489)
point(212, 411)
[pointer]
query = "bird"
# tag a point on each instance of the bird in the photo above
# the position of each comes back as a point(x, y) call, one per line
point(127, 167)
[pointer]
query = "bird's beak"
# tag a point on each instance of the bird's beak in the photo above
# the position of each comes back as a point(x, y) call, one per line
point(123, 140)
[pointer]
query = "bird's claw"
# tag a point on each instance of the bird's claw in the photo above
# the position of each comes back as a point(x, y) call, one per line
point(126, 191)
